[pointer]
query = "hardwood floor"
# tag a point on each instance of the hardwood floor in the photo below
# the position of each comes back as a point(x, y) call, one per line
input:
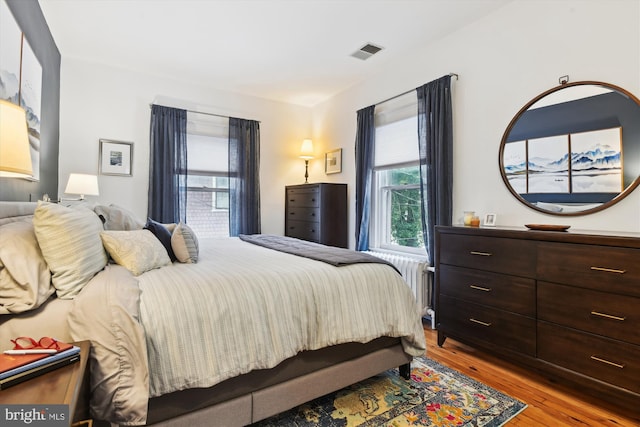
point(549, 404)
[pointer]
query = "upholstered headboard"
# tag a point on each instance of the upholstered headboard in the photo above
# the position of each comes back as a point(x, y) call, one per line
point(16, 211)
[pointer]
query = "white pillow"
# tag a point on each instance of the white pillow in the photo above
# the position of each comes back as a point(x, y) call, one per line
point(71, 245)
point(25, 280)
point(136, 250)
point(185, 244)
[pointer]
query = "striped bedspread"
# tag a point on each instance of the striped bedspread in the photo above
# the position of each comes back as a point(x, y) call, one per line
point(245, 307)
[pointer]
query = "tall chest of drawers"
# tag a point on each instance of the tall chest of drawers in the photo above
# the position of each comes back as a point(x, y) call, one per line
point(565, 303)
point(318, 213)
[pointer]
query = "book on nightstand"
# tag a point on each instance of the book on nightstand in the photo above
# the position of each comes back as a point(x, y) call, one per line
point(16, 368)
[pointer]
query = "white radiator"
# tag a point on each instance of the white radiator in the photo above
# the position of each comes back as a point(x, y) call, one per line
point(415, 272)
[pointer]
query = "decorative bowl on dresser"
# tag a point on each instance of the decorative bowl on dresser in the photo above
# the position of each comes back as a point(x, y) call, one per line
point(317, 213)
point(564, 303)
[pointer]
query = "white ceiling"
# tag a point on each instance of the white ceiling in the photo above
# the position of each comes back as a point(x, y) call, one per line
point(295, 51)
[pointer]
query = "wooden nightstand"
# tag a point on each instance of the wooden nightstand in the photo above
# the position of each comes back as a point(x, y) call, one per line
point(68, 385)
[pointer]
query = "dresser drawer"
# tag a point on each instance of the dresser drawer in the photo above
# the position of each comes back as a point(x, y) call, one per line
point(303, 197)
point(509, 256)
point(510, 293)
point(603, 268)
point(305, 230)
point(303, 214)
point(605, 359)
point(487, 324)
point(611, 315)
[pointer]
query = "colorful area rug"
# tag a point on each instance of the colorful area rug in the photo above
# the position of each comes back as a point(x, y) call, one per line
point(436, 396)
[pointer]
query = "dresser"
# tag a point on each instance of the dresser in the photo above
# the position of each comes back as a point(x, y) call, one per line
point(564, 303)
point(318, 213)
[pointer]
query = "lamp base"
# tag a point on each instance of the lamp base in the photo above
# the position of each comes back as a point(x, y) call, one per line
point(306, 171)
point(64, 199)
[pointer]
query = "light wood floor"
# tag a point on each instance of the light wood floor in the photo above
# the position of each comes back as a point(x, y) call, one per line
point(548, 403)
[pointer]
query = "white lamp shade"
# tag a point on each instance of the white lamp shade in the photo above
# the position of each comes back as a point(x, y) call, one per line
point(82, 184)
point(15, 155)
point(306, 150)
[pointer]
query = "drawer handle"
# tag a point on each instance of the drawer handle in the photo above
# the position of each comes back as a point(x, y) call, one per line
point(608, 316)
point(480, 288)
point(609, 270)
point(608, 362)
point(479, 322)
point(480, 253)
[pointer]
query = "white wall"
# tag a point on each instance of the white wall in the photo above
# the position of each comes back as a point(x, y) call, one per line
point(503, 60)
point(97, 101)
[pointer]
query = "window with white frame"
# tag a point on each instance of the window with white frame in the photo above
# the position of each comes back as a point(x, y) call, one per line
point(207, 175)
point(396, 205)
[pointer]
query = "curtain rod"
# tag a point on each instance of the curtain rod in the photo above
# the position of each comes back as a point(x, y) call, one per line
point(408, 91)
point(200, 112)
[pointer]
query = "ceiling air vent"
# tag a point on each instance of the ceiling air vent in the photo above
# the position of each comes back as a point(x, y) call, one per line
point(366, 51)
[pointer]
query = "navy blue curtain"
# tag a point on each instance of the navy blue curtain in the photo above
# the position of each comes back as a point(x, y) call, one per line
point(168, 165)
point(365, 144)
point(244, 176)
point(435, 139)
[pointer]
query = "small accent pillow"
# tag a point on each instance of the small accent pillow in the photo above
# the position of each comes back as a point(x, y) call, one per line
point(25, 280)
point(71, 245)
point(115, 217)
point(136, 250)
point(163, 234)
point(185, 244)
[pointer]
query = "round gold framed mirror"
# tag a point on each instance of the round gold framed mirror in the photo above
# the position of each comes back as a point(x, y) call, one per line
point(574, 149)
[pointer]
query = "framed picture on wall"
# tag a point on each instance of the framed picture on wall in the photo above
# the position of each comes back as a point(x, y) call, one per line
point(116, 157)
point(21, 75)
point(333, 161)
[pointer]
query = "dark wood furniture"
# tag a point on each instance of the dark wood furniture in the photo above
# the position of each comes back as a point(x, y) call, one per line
point(565, 303)
point(317, 213)
point(68, 385)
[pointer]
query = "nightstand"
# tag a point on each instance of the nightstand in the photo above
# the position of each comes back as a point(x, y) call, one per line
point(68, 385)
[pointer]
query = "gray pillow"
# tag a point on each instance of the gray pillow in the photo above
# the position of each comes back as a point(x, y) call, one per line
point(114, 217)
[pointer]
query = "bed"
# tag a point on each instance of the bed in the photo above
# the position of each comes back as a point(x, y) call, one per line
point(228, 334)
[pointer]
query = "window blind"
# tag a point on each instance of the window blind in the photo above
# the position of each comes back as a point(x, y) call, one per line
point(396, 124)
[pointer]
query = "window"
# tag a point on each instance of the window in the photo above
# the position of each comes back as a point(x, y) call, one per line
point(207, 175)
point(396, 204)
point(398, 208)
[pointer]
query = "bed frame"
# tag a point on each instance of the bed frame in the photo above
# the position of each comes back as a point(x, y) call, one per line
point(300, 379)
point(259, 394)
